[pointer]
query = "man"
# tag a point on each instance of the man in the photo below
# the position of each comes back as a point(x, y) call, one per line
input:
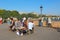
point(49, 22)
point(23, 19)
point(30, 26)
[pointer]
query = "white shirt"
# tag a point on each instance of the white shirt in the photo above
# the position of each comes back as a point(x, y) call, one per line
point(49, 20)
point(24, 19)
point(42, 20)
point(30, 25)
point(16, 23)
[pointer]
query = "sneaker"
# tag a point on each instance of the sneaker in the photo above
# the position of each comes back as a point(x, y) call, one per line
point(17, 33)
point(21, 34)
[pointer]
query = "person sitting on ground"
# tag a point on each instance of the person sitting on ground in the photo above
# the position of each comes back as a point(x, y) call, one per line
point(20, 29)
point(31, 26)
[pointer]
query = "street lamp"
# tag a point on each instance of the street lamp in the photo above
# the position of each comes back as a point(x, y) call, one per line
point(41, 10)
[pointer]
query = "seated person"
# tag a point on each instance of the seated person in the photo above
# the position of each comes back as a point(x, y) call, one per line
point(31, 26)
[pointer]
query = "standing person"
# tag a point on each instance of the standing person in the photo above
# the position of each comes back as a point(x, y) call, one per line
point(29, 19)
point(0, 20)
point(8, 21)
point(12, 23)
point(16, 24)
point(23, 19)
point(41, 22)
point(31, 26)
point(25, 24)
point(49, 22)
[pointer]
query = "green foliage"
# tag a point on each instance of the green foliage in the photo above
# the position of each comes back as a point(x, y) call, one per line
point(32, 15)
point(7, 13)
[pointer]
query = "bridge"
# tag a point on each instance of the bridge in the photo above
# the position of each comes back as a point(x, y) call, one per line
point(40, 33)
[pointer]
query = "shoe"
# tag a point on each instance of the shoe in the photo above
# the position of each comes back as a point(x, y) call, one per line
point(18, 33)
point(21, 34)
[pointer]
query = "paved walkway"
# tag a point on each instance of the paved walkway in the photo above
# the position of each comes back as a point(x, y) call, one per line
point(40, 33)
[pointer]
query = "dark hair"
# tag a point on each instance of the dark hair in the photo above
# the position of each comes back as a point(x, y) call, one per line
point(11, 18)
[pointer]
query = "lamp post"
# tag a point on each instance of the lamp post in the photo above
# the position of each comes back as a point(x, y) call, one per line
point(41, 7)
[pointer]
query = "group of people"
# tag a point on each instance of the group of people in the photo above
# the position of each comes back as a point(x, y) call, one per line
point(48, 22)
point(24, 26)
point(21, 27)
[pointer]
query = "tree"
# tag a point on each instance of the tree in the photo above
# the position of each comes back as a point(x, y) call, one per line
point(32, 15)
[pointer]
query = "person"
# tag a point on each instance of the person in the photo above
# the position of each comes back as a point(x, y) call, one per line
point(25, 24)
point(23, 19)
point(20, 29)
point(31, 26)
point(17, 26)
point(8, 21)
point(12, 24)
point(49, 22)
point(41, 22)
point(0, 20)
point(29, 19)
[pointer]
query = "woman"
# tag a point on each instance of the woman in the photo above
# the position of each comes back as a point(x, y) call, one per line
point(12, 23)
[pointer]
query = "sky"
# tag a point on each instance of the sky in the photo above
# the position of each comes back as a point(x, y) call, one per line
point(50, 7)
